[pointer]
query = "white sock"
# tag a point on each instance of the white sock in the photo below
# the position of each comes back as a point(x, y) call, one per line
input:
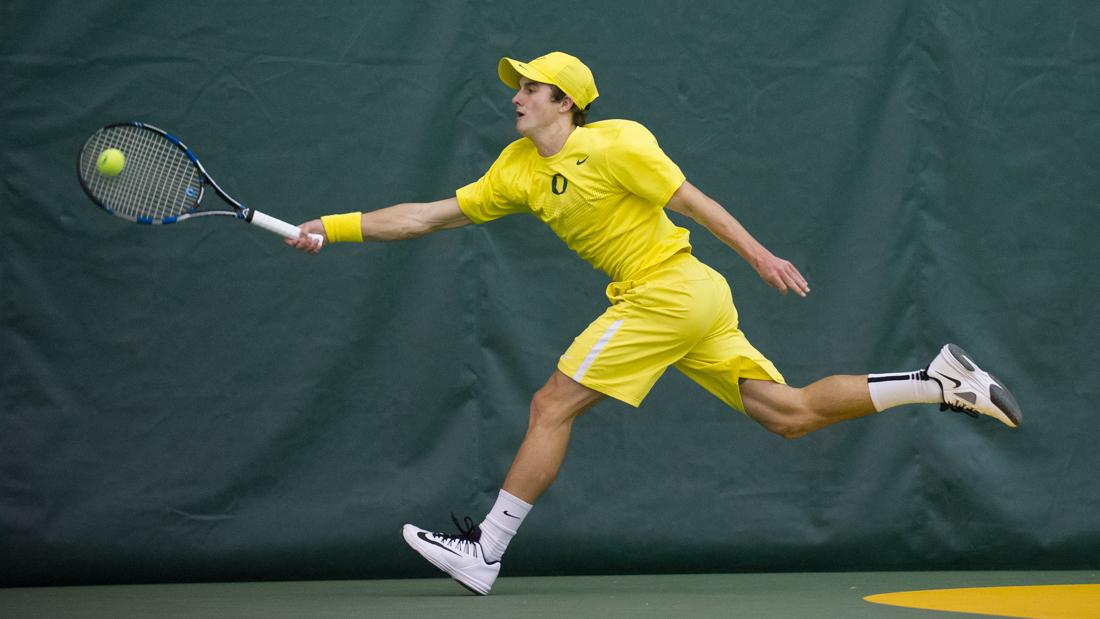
point(890, 390)
point(501, 523)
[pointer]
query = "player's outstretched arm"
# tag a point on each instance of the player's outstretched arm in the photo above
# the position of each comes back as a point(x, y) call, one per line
point(393, 223)
point(777, 272)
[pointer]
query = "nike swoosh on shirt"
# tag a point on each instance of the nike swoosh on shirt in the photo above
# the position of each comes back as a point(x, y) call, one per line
point(580, 161)
point(424, 537)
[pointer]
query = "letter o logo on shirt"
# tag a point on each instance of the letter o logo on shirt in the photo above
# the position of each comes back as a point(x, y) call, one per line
point(558, 184)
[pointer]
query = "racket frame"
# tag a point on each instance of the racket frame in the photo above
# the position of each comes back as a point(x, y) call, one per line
point(239, 211)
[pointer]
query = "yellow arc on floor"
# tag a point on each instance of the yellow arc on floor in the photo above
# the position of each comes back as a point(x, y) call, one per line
point(1033, 602)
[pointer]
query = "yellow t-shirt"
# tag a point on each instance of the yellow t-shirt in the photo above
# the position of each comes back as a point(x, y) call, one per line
point(603, 194)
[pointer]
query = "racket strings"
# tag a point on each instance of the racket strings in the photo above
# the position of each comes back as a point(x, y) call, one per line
point(159, 181)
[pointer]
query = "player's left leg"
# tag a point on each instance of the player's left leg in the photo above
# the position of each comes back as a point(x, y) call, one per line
point(952, 380)
point(793, 412)
point(728, 366)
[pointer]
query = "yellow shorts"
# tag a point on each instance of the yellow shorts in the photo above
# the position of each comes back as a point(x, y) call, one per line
point(680, 313)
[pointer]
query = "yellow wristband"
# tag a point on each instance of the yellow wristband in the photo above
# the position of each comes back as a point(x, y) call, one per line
point(346, 228)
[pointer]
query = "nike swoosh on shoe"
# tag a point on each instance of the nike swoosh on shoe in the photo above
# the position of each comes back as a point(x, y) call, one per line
point(424, 536)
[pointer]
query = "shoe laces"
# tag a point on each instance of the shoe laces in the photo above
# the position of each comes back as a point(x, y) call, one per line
point(958, 408)
point(468, 538)
point(961, 408)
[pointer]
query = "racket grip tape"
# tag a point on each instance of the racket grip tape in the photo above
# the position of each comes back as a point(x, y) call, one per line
point(280, 227)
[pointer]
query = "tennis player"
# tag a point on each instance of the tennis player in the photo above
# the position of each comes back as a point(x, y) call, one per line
point(605, 189)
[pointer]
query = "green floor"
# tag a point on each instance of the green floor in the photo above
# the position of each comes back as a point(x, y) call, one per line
point(715, 595)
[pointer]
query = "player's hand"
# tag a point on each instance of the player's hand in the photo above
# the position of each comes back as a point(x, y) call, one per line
point(781, 275)
point(304, 242)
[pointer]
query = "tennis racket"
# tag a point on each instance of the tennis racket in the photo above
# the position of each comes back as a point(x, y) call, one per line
point(161, 181)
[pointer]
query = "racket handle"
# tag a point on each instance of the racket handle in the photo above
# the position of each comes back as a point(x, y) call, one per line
point(280, 227)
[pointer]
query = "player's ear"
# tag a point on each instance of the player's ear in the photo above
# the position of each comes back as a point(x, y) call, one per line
point(567, 103)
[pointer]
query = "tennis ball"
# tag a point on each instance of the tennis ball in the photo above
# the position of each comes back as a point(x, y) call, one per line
point(110, 162)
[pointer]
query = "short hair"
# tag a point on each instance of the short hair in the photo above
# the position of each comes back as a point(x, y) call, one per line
point(580, 116)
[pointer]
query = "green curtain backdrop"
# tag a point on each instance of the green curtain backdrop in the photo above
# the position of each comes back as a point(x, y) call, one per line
point(198, 402)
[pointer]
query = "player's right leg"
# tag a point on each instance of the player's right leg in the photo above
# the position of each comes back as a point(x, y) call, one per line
point(553, 409)
point(461, 555)
point(648, 326)
point(472, 557)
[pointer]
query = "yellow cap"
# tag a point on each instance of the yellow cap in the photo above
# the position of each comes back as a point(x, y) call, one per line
point(557, 68)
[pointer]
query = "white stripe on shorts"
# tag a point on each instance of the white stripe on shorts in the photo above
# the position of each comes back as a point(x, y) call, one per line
point(599, 345)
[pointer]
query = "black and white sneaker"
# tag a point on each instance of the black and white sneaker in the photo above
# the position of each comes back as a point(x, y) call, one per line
point(968, 389)
point(460, 555)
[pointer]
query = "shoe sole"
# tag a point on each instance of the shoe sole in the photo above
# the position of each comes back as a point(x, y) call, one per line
point(412, 544)
point(1001, 397)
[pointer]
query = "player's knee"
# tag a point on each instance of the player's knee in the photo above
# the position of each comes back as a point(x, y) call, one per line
point(793, 431)
point(546, 411)
point(789, 429)
point(791, 420)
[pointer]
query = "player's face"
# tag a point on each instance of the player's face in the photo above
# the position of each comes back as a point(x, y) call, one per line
point(534, 108)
